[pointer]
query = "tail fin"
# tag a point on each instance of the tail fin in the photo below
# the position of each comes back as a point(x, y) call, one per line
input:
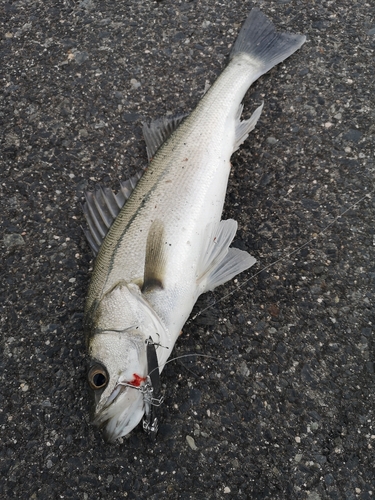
point(258, 39)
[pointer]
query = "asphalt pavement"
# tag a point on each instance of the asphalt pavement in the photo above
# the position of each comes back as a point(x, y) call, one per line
point(284, 407)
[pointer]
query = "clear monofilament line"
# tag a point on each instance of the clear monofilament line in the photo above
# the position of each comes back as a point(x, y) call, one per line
point(185, 356)
point(282, 258)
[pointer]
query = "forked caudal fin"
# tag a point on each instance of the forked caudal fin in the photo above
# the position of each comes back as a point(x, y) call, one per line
point(258, 38)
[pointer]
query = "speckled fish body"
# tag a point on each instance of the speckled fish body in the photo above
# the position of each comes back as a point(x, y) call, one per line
point(168, 245)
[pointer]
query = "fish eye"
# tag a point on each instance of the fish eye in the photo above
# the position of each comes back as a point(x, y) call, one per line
point(97, 377)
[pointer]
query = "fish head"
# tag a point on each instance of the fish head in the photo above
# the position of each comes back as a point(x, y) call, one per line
point(117, 374)
point(120, 327)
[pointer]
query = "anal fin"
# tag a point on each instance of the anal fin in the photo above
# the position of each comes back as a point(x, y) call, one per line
point(244, 127)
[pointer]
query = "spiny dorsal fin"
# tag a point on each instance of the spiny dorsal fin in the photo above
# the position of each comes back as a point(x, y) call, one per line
point(102, 207)
point(243, 128)
point(158, 131)
point(219, 263)
point(155, 261)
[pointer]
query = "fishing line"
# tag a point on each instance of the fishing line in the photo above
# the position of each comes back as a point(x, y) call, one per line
point(188, 369)
point(183, 356)
point(283, 257)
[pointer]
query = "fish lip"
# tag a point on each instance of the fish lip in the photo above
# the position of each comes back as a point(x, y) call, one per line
point(111, 399)
point(121, 413)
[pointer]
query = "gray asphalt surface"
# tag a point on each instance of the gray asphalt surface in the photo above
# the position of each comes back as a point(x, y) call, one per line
point(286, 408)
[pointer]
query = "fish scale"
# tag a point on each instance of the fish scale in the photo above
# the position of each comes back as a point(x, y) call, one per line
point(189, 174)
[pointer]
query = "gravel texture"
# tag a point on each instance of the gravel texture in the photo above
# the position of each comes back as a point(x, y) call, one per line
point(285, 408)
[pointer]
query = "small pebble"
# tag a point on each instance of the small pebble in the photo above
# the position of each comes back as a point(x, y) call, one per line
point(272, 140)
point(135, 83)
point(352, 135)
point(243, 369)
point(81, 57)
point(191, 443)
point(83, 132)
point(313, 496)
point(13, 240)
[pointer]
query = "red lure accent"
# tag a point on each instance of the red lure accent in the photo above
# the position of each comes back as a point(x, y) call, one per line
point(137, 380)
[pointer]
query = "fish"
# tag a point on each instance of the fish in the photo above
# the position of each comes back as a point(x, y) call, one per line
point(160, 242)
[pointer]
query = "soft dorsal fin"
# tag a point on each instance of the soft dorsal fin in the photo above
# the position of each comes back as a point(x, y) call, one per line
point(219, 263)
point(243, 128)
point(155, 260)
point(158, 131)
point(102, 207)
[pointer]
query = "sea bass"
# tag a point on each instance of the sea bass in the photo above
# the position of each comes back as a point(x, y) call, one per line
point(160, 241)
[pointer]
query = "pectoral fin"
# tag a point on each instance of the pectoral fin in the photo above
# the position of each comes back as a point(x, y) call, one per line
point(233, 263)
point(219, 263)
point(155, 262)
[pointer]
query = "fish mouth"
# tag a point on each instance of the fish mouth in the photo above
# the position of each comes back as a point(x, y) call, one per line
point(121, 413)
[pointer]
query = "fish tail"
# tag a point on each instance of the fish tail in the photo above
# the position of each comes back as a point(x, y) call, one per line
point(258, 38)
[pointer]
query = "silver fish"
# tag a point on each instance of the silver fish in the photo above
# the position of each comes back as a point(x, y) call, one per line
point(161, 242)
